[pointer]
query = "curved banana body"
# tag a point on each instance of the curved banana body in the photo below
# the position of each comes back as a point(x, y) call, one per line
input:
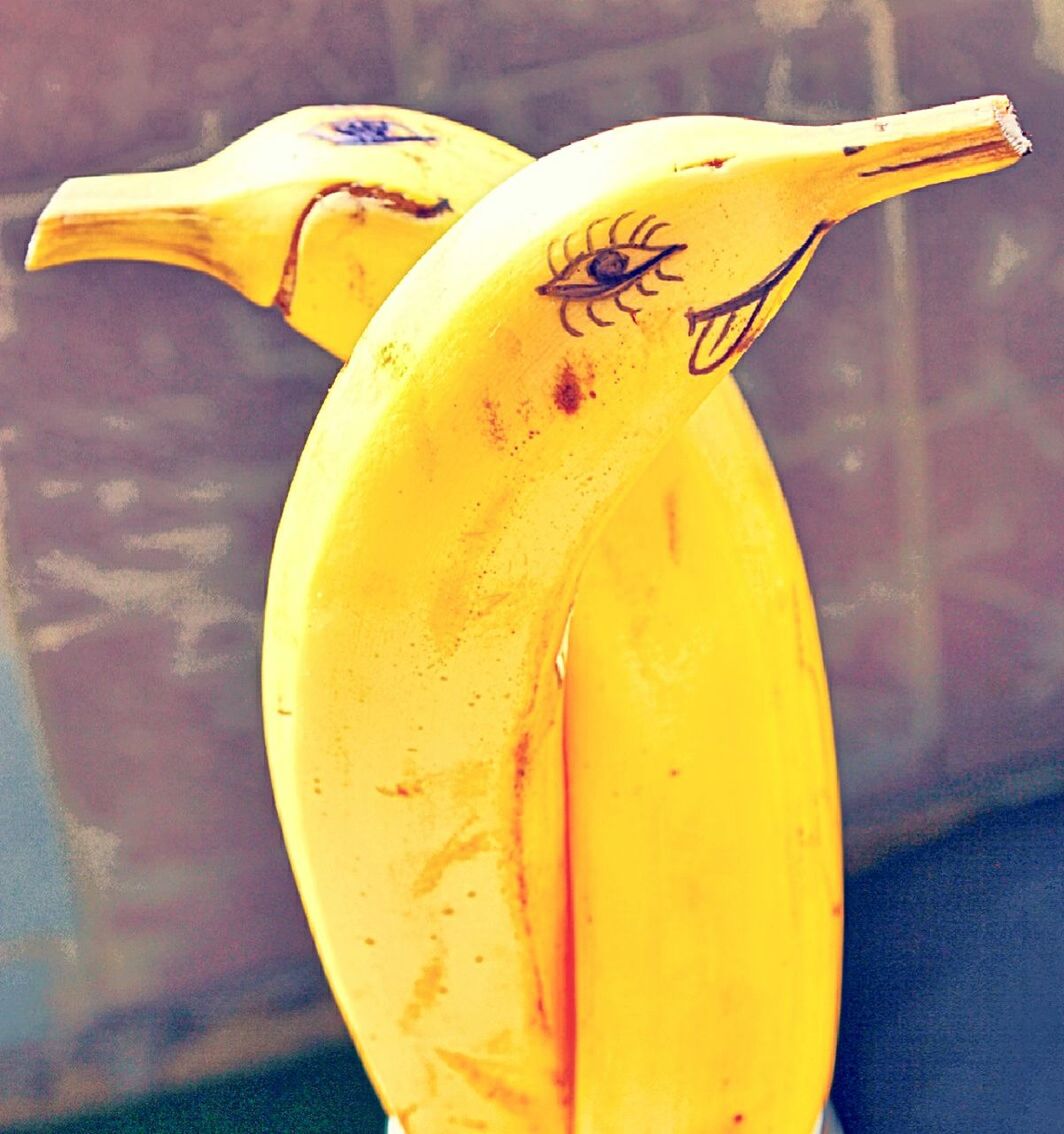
point(709, 866)
point(696, 711)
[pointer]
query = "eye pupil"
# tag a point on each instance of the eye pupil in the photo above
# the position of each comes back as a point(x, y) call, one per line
point(608, 266)
point(364, 131)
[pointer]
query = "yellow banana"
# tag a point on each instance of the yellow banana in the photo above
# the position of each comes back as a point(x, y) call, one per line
point(709, 829)
point(296, 190)
point(643, 604)
point(434, 656)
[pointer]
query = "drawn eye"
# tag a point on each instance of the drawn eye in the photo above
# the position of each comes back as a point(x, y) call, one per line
point(607, 272)
point(367, 132)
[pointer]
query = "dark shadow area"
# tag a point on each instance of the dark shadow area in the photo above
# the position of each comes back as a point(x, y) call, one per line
point(325, 1092)
point(953, 987)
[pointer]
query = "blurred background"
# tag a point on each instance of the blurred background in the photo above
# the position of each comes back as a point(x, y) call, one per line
point(150, 934)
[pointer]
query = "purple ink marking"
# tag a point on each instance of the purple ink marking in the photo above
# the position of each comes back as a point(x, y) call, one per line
point(368, 132)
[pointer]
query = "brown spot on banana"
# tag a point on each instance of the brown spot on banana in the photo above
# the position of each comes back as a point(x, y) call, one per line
point(460, 847)
point(496, 429)
point(672, 526)
point(404, 791)
point(484, 1082)
point(966, 153)
point(427, 990)
point(568, 390)
point(522, 757)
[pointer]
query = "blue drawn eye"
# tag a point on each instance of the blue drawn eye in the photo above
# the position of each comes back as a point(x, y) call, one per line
point(607, 272)
point(368, 132)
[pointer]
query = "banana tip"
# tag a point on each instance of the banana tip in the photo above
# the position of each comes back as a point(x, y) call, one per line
point(1009, 123)
point(34, 259)
point(45, 248)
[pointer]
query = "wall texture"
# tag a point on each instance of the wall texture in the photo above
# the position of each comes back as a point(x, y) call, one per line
point(149, 421)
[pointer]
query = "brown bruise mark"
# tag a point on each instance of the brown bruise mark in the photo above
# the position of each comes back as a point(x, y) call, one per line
point(672, 527)
point(568, 392)
point(836, 910)
point(403, 791)
point(486, 1084)
point(564, 1076)
point(388, 355)
point(989, 149)
point(460, 847)
point(707, 163)
point(849, 151)
point(496, 430)
point(185, 227)
point(520, 776)
point(805, 646)
point(396, 202)
point(427, 990)
point(520, 783)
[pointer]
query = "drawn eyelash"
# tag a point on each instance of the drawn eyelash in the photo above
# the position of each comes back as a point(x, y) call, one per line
point(606, 271)
point(741, 310)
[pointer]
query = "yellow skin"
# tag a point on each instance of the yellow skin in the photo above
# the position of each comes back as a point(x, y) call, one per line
point(702, 946)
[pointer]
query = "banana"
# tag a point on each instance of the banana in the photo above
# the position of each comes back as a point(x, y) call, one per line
point(653, 583)
point(709, 829)
point(282, 196)
point(479, 486)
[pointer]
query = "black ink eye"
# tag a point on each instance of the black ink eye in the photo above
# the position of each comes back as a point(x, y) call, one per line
point(607, 272)
point(367, 132)
point(608, 266)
